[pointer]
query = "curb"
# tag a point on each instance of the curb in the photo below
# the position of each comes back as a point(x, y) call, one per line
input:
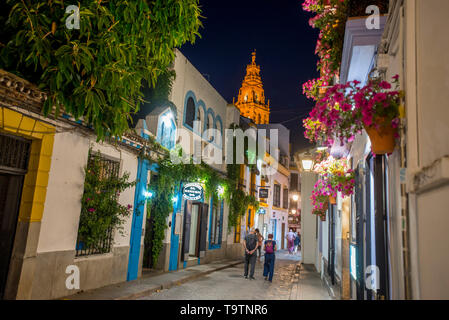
point(173, 283)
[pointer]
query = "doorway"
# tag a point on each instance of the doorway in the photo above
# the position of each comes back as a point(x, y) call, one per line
point(194, 230)
point(14, 154)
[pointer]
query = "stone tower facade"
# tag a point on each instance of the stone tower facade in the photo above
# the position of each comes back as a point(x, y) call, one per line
point(251, 98)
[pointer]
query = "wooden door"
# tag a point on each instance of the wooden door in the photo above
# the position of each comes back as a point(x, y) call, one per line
point(10, 193)
point(203, 227)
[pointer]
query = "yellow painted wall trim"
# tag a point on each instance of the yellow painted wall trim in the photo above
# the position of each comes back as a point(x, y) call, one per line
point(36, 180)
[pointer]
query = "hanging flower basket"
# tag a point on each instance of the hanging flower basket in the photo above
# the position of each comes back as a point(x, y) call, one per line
point(383, 138)
point(322, 212)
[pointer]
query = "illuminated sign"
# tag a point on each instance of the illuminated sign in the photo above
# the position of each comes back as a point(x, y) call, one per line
point(261, 211)
point(192, 191)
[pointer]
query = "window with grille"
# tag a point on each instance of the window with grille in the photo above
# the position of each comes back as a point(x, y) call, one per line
point(277, 196)
point(14, 153)
point(107, 169)
point(285, 199)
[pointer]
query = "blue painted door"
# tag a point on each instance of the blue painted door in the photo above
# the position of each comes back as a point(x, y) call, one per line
point(174, 238)
point(138, 214)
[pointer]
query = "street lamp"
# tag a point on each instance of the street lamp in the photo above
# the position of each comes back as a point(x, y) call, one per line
point(294, 211)
point(295, 197)
point(307, 162)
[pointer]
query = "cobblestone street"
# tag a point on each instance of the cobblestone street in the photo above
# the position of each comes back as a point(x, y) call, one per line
point(229, 284)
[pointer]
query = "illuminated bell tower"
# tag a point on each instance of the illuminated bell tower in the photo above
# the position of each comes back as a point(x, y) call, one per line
point(251, 99)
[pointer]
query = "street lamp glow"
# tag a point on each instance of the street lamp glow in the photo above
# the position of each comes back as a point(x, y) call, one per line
point(220, 191)
point(295, 197)
point(307, 164)
point(294, 211)
point(147, 194)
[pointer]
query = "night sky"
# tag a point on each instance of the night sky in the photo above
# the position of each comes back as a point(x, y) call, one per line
point(285, 45)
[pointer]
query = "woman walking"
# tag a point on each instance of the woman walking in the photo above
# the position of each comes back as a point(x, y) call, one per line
point(270, 257)
point(291, 241)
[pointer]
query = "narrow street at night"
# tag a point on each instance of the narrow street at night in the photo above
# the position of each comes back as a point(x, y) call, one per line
point(289, 283)
point(152, 150)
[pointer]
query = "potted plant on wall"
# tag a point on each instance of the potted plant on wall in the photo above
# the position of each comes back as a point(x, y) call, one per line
point(378, 108)
point(347, 109)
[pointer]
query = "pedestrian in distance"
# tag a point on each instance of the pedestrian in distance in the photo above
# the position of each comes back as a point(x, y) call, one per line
point(259, 243)
point(270, 257)
point(290, 241)
point(297, 241)
point(250, 245)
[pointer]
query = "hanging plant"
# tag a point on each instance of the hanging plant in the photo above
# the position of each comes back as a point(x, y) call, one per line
point(320, 197)
point(330, 18)
point(347, 109)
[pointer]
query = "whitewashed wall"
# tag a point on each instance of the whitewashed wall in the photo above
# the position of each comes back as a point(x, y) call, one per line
point(60, 220)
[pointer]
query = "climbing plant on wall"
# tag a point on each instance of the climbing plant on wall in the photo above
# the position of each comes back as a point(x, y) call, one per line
point(238, 200)
point(165, 185)
point(101, 211)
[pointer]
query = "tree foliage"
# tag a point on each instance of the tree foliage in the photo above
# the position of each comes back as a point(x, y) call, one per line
point(95, 73)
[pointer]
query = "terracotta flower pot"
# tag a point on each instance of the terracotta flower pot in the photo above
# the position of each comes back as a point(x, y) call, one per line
point(323, 217)
point(383, 141)
point(332, 200)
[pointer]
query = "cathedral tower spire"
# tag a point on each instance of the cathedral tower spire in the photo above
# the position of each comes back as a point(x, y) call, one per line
point(251, 98)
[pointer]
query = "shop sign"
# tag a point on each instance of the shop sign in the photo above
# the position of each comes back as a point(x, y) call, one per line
point(263, 193)
point(262, 211)
point(192, 191)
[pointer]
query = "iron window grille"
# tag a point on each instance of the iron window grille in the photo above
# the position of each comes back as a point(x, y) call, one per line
point(108, 168)
point(277, 195)
point(14, 153)
point(285, 199)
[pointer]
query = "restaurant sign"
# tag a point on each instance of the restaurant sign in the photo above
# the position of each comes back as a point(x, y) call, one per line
point(193, 191)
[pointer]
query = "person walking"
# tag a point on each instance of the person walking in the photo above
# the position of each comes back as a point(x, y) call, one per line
point(297, 241)
point(270, 257)
point(290, 241)
point(250, 244)
point(259, 243)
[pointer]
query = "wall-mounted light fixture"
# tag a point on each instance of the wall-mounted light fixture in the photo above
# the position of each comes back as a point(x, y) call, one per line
point(307, 162)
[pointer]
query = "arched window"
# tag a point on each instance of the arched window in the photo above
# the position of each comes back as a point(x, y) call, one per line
point(190, 112)
point(219, 127)
point(200, 119)
point(209, 125)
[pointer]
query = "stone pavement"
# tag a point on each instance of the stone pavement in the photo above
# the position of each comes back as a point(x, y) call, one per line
point(229, 284)
point(147, 285)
